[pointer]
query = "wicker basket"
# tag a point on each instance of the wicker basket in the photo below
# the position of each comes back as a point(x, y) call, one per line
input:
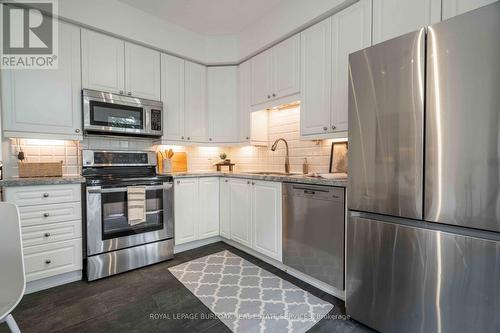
point(40, 169)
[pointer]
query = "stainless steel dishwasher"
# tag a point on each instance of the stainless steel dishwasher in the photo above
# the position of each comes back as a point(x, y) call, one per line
point(313, 231)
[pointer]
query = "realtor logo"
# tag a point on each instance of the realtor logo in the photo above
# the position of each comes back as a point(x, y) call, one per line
point(29, 34)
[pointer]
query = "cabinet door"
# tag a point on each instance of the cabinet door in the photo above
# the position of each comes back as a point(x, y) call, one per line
point(103, 62)
point(196, 102)
point(261, 77)
point(46, 101)
point(266, 218)
point(240, 211)
point(172, 96)
point(208, 224)
point(315, 71)
point(456, 7)
point(392, 18)
point(225, 208)
point(286, 67)
point(186, 210)
point(142, 72)
point(351, 31)
point(244, 100)
point(222, 104)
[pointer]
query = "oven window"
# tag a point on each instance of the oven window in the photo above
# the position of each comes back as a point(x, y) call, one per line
point(114, 214)
point(113, 115)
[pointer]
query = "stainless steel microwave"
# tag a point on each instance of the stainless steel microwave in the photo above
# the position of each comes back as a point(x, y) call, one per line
point(114, 114)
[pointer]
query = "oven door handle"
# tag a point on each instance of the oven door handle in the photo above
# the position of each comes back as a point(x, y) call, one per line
point(165, 186)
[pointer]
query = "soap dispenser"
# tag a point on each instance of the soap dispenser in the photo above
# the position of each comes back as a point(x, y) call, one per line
point(305, 167)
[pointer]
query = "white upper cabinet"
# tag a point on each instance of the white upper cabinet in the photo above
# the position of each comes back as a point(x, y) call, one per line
point(240, 211)
point(276, 72)
point(244, 100)
point(142, 72)
point(266, 218)
point(456, 7)
point(315, 72)
point(392, 18)
point(351, 31)
point(195, 102)
point(223, 115)
point(286, 68)
point(103, 62)
point(209, 206)
point(172, 96)
point(46, 103)
point(261, 77)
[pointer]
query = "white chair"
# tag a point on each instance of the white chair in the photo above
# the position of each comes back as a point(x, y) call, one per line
point(12, 280)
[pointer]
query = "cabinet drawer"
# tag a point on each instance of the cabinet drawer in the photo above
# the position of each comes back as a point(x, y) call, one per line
point(45, 214)
point(47, 260)
point(50, 233)
point(40, 195)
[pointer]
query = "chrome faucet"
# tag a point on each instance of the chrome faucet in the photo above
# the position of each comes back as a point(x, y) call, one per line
point(287, 158)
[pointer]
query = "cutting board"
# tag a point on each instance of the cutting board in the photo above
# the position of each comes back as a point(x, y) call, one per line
point(179, 162)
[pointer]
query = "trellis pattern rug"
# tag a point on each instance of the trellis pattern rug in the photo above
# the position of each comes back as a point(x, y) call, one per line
point(247, 298)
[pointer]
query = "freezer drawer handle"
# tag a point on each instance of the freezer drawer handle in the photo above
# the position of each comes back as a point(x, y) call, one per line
point(309, 192)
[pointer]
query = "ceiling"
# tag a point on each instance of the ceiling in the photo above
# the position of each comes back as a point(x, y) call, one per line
point(207, 17)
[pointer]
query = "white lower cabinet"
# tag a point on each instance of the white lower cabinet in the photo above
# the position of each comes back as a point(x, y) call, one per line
point(196, 209)
point(51, 228)
point(240, 211)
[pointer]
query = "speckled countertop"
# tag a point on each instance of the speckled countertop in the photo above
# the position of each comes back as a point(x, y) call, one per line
point(291, 178)
point(15, 181)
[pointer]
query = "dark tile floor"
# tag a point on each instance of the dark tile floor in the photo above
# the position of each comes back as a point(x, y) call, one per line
point(125, 303)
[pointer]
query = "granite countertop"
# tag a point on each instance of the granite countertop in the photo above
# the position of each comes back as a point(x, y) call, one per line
point(291, 178)
point(16, 181)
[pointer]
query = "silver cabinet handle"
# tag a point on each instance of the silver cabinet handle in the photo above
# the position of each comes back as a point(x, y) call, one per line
point(325, 128)
point(129, 93)
point(47, 234)
point(121, 92)
point(334, 127)
point(45, 195)
point(46, 214)
point(77, 130)
point(48, 261)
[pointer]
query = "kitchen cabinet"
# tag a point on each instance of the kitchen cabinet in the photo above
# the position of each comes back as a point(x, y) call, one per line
point(240, 211)
point(103, 62)
point(172, 96)
point(46, 103)
point(51, 227)
point(195, 117)
point(351, 32)
point(316, 69)
point(223, 117)
point(266, 218)
point(392, 18)
point(196, 209)
point(275, 73)
point(112, 65)
point(142, 72)
point(453, 8)
point(225, 208)
point(209, 207)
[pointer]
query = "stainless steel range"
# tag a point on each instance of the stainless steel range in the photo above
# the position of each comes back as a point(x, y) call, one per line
point(113, 243)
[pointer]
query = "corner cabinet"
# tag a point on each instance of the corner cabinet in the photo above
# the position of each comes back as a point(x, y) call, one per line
point(46, 103)
point(392, 18)
point(325, 49)
point(113, 65)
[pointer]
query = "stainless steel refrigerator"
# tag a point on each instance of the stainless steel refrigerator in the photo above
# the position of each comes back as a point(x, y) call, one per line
point(423, 233)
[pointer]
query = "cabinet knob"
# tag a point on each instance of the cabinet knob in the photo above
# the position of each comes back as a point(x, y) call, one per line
point(48, 261)
point(178, 182)
point(210, 139)
point(77, 130)
point(182, 137)
point(247, 138)
point(248, 182)
point(325, 128)
point(188, 138)
point(121, 92)
point(46, 214)
point(45, 195)
point(129, 93)
point(268, 96)
point(334, 127)
point(226, 180)
point(253, 183)
point(47, 234)
point(274, 95)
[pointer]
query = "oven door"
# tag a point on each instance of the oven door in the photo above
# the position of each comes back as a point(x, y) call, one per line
point(107, 219)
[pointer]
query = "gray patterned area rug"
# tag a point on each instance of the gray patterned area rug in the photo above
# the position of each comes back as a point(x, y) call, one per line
point(247, 298)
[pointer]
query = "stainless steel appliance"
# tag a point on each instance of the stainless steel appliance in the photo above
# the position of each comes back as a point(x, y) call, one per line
point(112, 244)
point(107, 113)
point(423, 235)
point(313, 231)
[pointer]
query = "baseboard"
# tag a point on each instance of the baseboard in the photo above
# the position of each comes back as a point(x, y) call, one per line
point(53, 281)
point(306, 278)
point(196, 244)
